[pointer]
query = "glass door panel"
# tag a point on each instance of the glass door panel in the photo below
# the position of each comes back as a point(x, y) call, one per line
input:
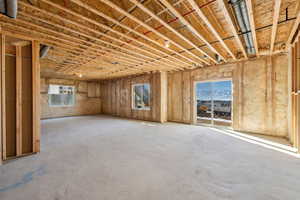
point(222, 98)
point(214, 102)
point(204, 106)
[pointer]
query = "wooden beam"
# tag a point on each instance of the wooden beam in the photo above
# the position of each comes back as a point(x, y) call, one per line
point(102, 34)
point(1, 89)
point(174, 64)
point(276, 13)
point(154, 16)
point(193, 30)
point(21, 43)
point(184, 63)
point(295, 26)
point(36, 95)
point(170, 28)
point(3, 113)
point(210, 26)
point(19, 100)
point(233, 28)
point(132, 17)
point(95, 11)
point(250, 8)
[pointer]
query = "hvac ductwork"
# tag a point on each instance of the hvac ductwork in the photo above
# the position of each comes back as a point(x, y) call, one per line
point(44, 51)
point(241, 12)
point(9, 8)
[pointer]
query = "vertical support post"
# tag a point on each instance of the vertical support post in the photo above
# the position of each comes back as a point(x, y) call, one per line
point(36, 95)
point(19, 99)
point(298, 92)
point(1, 117)
point(163, 96)
point(193, 101)
point(269, 98)
point(290, 66)
point(3, 113)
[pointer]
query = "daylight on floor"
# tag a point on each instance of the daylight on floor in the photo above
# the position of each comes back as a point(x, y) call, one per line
point(150, 100)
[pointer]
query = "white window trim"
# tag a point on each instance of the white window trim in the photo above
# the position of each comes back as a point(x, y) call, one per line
point(63, 106)
point(133, 97)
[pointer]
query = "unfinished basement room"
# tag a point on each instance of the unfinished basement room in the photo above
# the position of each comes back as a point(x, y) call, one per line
point(150, 99)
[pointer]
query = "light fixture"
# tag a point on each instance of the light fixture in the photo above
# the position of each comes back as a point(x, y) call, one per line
point(80, 75)
point(167, 43)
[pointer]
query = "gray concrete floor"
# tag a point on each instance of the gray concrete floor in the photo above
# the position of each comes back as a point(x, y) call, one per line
point(105, 158)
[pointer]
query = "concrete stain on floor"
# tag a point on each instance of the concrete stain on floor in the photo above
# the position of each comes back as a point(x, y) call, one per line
point(28, 177)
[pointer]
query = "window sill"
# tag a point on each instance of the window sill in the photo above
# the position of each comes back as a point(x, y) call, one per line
point(145, 109)
point(61, 106)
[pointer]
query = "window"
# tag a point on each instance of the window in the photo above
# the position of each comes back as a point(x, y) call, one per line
point(61, 95)
point(141, 96)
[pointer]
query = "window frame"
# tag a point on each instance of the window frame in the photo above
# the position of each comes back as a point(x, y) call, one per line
point(133, 106)
point(60, 85)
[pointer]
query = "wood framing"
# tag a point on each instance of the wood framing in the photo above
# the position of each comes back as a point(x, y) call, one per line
point(102, 26)
point(194, 31)
point(143, 37)
point(260, 78)
point(295, 96)
point(229, 20)
point(3, 113)
point(116, 97)
point(36, 95)
point(146, 10)
point(1, 97)
point(19, 107)
point(20, 101)
point(211, 28)
point(276, 13)
point(250, 8)
point(295, 26)
point(79, 2)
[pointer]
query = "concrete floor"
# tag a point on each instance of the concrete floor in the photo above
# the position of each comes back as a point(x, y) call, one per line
point(105, 158)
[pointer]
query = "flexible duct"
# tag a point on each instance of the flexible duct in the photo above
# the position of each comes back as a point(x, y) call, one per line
point(241, 12)
point(44, 51)
point(9, 8)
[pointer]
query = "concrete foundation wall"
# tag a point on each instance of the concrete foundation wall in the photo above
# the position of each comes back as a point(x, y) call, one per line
point(260, 94)
point(87, 101)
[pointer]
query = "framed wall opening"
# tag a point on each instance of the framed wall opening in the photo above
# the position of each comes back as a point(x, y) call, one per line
point(214, 102)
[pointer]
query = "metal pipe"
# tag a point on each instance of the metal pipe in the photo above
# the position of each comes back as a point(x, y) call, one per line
point(9, 8)
point(3, 6)
point(241, 12)
point(12, 8)
point(44, 51)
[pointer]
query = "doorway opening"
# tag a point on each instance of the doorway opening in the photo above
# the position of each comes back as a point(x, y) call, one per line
point(214, 102)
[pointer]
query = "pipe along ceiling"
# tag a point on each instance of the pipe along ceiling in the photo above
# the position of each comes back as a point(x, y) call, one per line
point(44, 49)
point(241, 13)
point(9, 8)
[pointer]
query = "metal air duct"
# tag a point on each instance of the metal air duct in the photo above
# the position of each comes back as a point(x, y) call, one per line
point(44, 51)
point(241, 12)
point(9, 8)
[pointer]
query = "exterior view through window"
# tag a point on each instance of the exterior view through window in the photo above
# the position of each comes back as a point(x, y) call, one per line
point(214, 102)
point(61, 95)
point(141, 96)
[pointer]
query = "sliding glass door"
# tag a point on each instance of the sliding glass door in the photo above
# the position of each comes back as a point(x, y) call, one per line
point(214, 102)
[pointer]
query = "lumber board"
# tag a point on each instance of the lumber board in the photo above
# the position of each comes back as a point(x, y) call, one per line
point(2, 57)
point(36, 95)
point(10, 106)
point(19, 102)
point(27, 101)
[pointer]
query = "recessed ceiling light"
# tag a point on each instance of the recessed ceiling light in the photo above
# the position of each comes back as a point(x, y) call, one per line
point(80, 75)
